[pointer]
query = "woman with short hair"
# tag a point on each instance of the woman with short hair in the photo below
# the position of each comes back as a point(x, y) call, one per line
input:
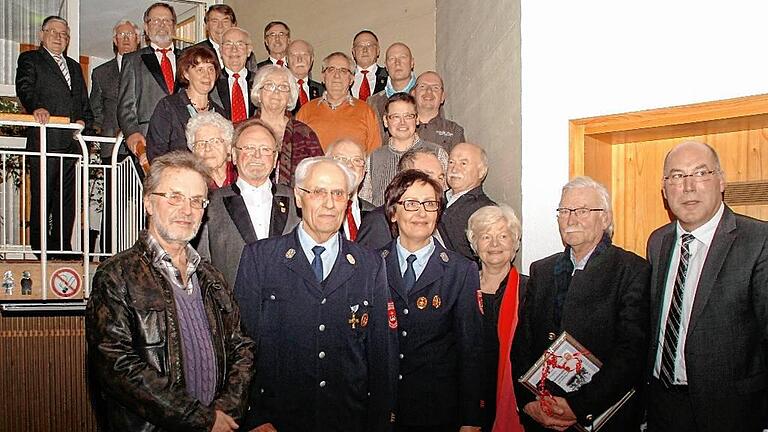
point(209, 137)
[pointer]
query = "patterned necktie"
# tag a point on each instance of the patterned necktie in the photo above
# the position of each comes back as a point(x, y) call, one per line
point(64, 69)
point(674, 317)
point(365, 88)
point(351, 222)
point(302, 94)
point(165, 66)
point(317, 263)
point(409, 277)
point(238, 103)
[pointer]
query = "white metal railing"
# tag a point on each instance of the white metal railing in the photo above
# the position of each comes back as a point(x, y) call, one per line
point(117, 210)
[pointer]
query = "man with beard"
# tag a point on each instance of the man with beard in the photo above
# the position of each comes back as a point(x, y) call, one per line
point(165, 349)
point(146, 77)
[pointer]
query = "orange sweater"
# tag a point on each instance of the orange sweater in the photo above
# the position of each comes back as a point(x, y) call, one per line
point(355, 120)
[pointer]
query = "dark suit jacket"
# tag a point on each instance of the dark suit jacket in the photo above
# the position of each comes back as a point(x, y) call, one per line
point(440, 340)
point(726, 349)
point(105, 83)
point(141, 87)
point(250, 63)
point(222, 94)
point(40, 84)
point(381, 79)
point(606, 310)
point(315, 370)
point(374, 232)
point(167, 127)
point(365, 208)
point(227, 228)
point(265, 62)
point(453, 222)
point(316, 90)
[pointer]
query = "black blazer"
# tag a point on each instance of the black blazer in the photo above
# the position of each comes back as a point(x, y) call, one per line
point(41, 84)
point(381, 79)
point(365, 208)
point(440, 331)
point(222, 95)
point(316, 90)
point(726, 349)
point(167, 128)
point(374, 232)
point(105, 81)
point(606, 310)
point(453, 222)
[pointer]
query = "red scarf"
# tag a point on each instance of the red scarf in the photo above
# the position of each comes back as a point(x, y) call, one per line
point(507, 417)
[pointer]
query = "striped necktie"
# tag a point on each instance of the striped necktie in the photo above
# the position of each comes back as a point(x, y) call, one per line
point(674, 317)
point(64, 69)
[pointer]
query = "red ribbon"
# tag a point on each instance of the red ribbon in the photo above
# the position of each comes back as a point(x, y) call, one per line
point(553, 361)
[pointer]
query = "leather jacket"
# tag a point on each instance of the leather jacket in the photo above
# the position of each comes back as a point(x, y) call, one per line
point(135, 352)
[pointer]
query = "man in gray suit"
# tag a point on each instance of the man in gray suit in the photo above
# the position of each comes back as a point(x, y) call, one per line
point(252, 208)
point(708, 358)
point(146, 77)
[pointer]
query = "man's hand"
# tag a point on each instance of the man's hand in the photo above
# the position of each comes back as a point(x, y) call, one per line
point(78, 132)
point(561, 409)
point(224, 423)
point(556, 421)
point(469, 429)
point(266, 427)
point(41, 115)
point(133, 142)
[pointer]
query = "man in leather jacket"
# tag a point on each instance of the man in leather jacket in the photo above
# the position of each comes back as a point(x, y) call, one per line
point(165, 349)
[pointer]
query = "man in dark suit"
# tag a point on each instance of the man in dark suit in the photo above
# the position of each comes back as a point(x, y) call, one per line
point(370, 77)
point(218, 19)
point(708, 357)
point(352, 154)
point(277, 36)
point(318, 307)
point(253, 208)
point(235, 51)
point(146, 77)
point(48, 83)
point(598, 293)
point(301, 55)
point(467, 169)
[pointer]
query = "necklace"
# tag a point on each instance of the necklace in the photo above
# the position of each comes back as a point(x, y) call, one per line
point(205, 108)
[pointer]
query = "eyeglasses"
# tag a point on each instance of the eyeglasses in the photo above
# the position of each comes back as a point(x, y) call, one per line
point(337, 195)
point(356, 161)
point(398, 117)
point(413, 205)
point(235, 44)
point(274, 88)
point(57, 34)
point(274, 35)
point(126, 35)
point(163, 21)
point(251, 150)
point(367, 45)
point(698, 176)
point(434, 88)
point(207, 144)
point(219, 21)
point(178, 198)
point(581, 212)
point(333, 69)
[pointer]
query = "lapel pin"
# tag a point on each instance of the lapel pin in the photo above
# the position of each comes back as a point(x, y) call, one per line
point(421, 302)
point(351, 259)
point(364, 320)
point(365, 302)
point(384, 253)
point(444, 256)
point(290, 253)
point(436, 302)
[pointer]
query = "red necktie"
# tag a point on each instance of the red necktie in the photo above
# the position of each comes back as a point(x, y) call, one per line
point(238, 103)
point(365, 88)
point(302, 94)
point(351, 222)
point(280, 62)
point(165, 66)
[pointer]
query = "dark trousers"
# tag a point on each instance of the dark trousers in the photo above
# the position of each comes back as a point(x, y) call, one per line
point(59, 205)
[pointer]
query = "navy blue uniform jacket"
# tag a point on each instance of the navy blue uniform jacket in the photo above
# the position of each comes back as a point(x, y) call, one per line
point(318, 368)
point(440, 332)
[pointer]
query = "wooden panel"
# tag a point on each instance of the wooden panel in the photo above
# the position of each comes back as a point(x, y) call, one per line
point(43, 374)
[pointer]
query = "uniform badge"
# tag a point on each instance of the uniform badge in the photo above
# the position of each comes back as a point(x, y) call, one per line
point(391, 315)
point(436, 302)
point(444, 256)
point(353, 320)
point(290, 253)
point(364, 320)
point(350, 259)
point(421, 302)
point(480, 301)
point(365, 302)
point(384, 253)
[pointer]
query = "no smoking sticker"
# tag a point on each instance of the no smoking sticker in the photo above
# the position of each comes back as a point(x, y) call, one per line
point(65, 282)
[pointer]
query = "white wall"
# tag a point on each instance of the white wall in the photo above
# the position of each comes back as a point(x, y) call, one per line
point(588, 58)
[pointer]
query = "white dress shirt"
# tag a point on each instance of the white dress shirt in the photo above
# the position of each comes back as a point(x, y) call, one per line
point(371, 76)
point(243, 87)
point(699, 248)
point(258, 201)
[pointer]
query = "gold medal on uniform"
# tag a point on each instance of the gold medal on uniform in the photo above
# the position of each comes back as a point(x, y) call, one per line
point(290, 253)
point(364, 320)
point(353, 320)
point(421, 302)
point(350, 259)
point(436, 302)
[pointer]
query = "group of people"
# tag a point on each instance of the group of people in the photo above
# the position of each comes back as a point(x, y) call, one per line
point(298, 275)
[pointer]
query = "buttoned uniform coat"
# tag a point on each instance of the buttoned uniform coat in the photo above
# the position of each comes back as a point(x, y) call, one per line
point(440, 332)
point(726, 348)
point(221, 94)
point(453, 222)
point(141, 87)
point(228, 228)
point(606, 310)
point(315, 370)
